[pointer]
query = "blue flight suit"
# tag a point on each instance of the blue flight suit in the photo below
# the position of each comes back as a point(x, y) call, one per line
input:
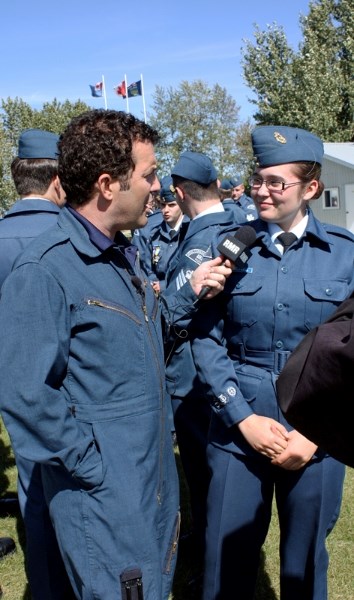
point(242, 340)
point(191, 412)
point(83, 394)
point(22, 223)
point(159, 249)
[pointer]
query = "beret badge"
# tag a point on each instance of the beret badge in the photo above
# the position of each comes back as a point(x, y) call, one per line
point(279, 137)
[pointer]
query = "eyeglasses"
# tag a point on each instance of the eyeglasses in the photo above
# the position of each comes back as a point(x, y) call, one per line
point(273, 185)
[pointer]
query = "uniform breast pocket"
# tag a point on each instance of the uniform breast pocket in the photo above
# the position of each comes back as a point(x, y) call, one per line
point(245, 301)
point(322, 296)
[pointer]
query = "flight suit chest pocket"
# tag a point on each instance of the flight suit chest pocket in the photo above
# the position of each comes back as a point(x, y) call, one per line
point(322, 296)
point(245, 300)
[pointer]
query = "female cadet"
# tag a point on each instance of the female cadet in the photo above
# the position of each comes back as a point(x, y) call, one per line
point(247, 334)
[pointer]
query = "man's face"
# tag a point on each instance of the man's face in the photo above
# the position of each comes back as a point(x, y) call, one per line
point(237, 191)
point(130, 206)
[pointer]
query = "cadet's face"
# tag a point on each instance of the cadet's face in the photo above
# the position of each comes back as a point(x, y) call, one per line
point(237, 191)
point(171, 212)
point(285, 207)
point(131, 204)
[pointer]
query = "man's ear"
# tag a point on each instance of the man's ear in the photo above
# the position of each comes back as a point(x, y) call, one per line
point(104, 185)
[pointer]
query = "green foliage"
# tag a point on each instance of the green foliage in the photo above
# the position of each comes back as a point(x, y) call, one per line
point(17, 115)
point(200, 118)
point(312, 88)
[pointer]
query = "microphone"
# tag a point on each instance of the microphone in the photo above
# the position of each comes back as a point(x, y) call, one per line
point(235, 248)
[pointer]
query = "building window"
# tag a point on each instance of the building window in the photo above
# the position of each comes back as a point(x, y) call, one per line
point(331, 198)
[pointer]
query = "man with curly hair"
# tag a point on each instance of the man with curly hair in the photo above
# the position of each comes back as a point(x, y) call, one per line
point(83, 393)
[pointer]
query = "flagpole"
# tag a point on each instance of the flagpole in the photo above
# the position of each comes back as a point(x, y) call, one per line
point(142, 89)
point(104, 92)
point(126, 91)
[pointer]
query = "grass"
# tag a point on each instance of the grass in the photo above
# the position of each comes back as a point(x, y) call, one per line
point(340, 545)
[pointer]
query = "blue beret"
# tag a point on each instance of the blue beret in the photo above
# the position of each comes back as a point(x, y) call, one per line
point(195, 167)
point(228, 184)
point(277, 145)
point(36, 143)
point(166, 194)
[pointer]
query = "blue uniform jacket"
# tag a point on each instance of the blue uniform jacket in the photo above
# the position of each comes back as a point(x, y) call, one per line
point(25, 220)
point(159, 250)
point(83, 393)
point(199, 245)
point(244, 336)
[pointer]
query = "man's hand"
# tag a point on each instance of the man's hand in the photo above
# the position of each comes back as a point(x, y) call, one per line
point(213, 274)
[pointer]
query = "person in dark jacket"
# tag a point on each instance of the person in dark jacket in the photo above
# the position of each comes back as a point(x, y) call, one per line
point(299, 270)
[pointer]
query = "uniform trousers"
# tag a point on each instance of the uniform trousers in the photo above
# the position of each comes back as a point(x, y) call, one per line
point(192, 419)
point(240, 500)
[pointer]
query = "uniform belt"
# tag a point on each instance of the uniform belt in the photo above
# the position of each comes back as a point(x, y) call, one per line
point(273, 361)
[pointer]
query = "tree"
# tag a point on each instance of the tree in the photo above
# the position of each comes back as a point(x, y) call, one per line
point(200, 118)
point(16, 116)
point(313, 87)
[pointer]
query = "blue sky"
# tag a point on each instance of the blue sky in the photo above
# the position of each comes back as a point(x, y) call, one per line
point(56, 49)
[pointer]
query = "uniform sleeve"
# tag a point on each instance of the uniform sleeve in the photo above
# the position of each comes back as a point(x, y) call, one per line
point(214, 366)
point(36, 329)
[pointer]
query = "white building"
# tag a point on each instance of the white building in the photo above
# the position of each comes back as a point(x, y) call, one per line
point(336, 205)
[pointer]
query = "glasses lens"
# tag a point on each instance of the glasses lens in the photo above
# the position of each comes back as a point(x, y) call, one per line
point(256, 182)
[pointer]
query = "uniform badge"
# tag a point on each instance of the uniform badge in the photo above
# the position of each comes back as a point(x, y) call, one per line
point(156, 254)
point(198, 256)
point(279, 137)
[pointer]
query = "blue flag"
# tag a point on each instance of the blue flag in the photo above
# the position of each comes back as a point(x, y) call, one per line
point(134, 89)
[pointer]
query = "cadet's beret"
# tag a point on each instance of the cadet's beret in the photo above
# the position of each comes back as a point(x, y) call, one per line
point(36, 143)
point(228, 184)
point(196, 167)
point(166, 193)
point(277, 145)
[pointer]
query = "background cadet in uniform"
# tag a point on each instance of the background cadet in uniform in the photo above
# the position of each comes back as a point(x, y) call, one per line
point(83, 393)
point(236, 191)
point(164, 237)
point(241, 342)
point(35, 174)
point(195, 181)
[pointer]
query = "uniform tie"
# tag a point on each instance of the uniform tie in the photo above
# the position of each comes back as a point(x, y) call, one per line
point(286, 239)
point(172, 233)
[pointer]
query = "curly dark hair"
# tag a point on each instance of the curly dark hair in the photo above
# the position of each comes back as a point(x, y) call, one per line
point(33, 175)
point(96, 142)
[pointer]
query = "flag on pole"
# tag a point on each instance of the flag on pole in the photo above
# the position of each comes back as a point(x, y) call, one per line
point(121, 89)
point(134, 89)
point(96, 90)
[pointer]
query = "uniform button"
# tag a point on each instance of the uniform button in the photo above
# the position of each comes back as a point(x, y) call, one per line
point(279, 344)
point(329, 291)
point(284, 269)
point(280, 306)
point(237, 286)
